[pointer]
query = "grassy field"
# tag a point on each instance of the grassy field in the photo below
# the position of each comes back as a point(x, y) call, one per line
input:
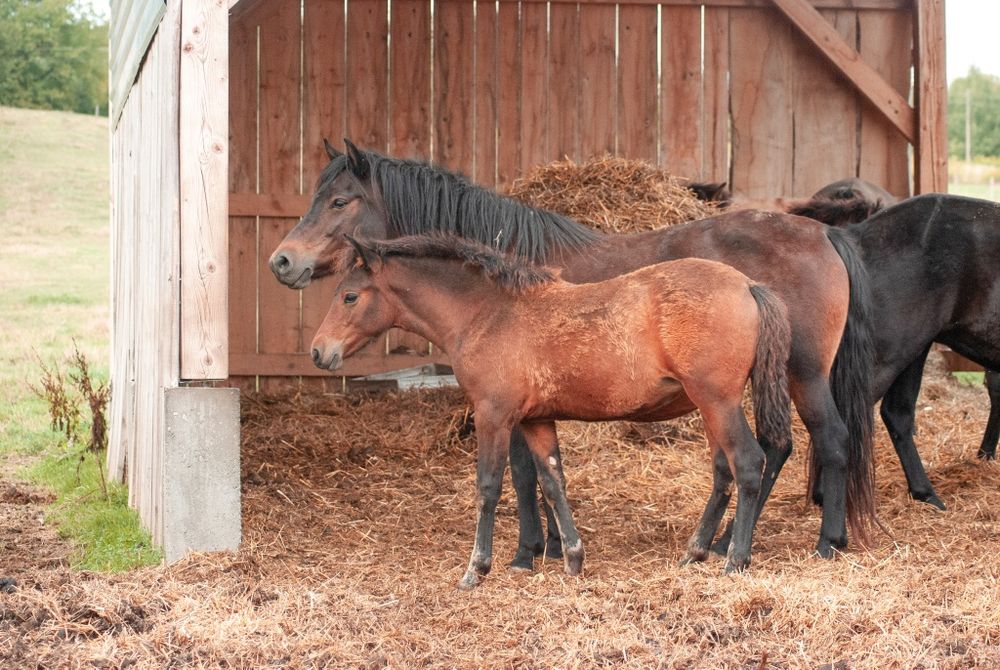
point(54, 292)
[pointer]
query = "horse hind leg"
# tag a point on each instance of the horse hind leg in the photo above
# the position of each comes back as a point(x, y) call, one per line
point(898, 412)
point(729, 433)
point(718, 501)
point(525, 480)
point(544, 445)
point(988, 448)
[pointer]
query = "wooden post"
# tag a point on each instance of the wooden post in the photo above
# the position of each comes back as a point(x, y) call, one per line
point(931, 155)
point(204, 166)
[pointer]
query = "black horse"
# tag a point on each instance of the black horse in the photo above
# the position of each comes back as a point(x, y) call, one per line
point(934, 262)
point(934, 266)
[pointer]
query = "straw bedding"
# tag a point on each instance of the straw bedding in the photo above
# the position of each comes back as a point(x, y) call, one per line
point(358, 520)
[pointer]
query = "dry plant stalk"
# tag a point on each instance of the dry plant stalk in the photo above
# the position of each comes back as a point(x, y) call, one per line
point(614, 195)
point(64, 408)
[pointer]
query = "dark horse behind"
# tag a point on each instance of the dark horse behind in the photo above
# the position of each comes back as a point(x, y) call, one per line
point(811, 267)
point(934, 265)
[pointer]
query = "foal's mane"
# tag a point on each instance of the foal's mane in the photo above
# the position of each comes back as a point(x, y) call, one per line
point(422, 198)
point(510, 273)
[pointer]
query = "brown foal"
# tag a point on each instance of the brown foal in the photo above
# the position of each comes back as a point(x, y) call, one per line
point(529, 349)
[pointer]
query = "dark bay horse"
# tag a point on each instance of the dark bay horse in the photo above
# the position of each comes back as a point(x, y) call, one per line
point(844, 202)
point(934, 266)
point(810, 266)
point(529, 348)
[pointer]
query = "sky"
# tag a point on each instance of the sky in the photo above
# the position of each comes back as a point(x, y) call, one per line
point(971, 34)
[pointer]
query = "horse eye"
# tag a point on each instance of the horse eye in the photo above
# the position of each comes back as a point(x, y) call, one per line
point(338, 203)
point(350, 298)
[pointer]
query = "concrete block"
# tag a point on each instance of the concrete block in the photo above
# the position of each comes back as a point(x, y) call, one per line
point(201, 471)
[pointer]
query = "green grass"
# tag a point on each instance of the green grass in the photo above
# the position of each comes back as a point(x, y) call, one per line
point(970, 378)
point(54, 291)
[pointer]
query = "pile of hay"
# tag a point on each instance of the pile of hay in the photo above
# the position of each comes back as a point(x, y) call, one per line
point(614, 195)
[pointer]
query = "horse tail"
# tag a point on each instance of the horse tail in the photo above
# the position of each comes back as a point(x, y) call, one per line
point(772, 404)
point(851, 385)
point(837, 211)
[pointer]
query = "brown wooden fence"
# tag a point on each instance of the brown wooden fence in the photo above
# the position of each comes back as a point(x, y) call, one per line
point(726, 91)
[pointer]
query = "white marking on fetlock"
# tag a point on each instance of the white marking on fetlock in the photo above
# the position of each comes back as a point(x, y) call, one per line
point(552, 461)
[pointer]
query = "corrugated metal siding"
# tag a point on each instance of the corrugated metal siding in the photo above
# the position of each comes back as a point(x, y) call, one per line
point(133, 24)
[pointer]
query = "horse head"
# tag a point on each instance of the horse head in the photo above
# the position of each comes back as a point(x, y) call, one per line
point(346, 201)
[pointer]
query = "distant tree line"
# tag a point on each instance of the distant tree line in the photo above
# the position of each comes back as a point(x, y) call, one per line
point(974, 104)
point(53, 55)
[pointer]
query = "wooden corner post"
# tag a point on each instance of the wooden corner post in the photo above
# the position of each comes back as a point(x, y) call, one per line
point(204, 206)
point(931, 155)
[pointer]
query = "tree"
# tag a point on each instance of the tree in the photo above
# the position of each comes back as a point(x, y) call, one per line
point(981, 92)
point(54, 55)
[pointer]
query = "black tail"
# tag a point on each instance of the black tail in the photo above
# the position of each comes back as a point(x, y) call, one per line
point(851, 384)
point(769, 378)
point(837, 212)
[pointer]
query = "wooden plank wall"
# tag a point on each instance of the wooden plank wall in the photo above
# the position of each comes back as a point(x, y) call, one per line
point(145, 195)
point(728, 91)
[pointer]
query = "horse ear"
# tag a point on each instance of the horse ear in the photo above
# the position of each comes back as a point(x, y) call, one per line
point(356, 160)
point(364, 253)
point(331, 151)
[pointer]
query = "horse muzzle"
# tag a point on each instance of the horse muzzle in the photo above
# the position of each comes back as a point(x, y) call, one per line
point(290, 273)
point(328, 357)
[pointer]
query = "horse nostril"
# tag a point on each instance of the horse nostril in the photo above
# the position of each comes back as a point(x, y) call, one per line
point(316, 356)
point(282, 262)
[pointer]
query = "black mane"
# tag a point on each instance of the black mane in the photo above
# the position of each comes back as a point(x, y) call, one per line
point(422, 198)
point(511, 273)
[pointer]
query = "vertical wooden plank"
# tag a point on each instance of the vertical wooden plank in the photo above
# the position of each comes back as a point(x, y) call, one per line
point(761, 98)
point(825, 114)
point(931, 155)
point(367, 72)
point(534, 86)
point(324, 116)
point(885, 43)
point(715, 109)
point(410, 79)
point(324, 85)
point(681, 91)
point(484, 170)
point(597, 80)
point(637, 82)
point(204, 204)
point(563, 109)
point(280, 328)
point(243, 329)
point(509, 92)
point(453, 85)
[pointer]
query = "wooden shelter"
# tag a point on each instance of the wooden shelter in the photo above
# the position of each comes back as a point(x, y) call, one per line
point(216, 145)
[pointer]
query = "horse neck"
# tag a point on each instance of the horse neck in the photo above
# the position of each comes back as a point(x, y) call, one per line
point(439, 300)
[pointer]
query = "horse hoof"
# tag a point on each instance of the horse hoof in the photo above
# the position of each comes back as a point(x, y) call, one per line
point(986, 455)
point(554, 550)
point(721, 546)
point(574, 559)
point(524, 560)
point(8, 585)
point(736, 564)
point(824, 550)
point(469, 581)
point(934, 501)
point(694, 556)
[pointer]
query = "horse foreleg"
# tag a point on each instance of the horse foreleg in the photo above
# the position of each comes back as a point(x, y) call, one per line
point(718, 501)
point(524, 477)
point(898, 413)
point(544, 445)
point(494, 440)
point(988, 449)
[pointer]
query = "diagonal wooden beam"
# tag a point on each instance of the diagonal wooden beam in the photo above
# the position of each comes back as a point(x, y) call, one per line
point(848, 61)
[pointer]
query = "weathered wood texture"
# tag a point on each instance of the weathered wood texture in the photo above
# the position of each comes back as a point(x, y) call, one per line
point(145, 296)
point(204, 69)
point(723, 90)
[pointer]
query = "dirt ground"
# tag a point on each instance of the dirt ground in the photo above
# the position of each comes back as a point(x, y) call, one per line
point(358, 521)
